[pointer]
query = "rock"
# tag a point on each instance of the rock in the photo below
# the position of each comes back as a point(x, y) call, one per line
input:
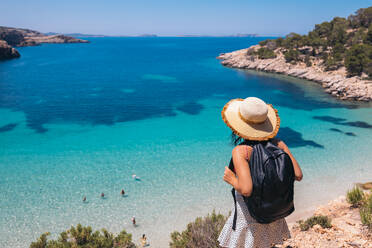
point(335, 82)
point(7, 52)
point(25, 37)
point(54, 39)
point(346, 230)
point(365, 186)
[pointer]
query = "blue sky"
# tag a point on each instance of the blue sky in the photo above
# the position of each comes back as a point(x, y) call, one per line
point(174, 17)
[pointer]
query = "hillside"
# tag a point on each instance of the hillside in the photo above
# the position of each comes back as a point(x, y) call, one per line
point(337, 54)
point(11, 37)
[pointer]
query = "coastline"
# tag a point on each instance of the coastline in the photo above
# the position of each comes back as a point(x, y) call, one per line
point(88, 159)
point(335, 83)
point(19, 37)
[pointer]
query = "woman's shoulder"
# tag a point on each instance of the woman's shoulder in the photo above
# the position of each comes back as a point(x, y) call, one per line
point(242, 150)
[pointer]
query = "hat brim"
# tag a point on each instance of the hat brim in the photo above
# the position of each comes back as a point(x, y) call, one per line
point(250, 131)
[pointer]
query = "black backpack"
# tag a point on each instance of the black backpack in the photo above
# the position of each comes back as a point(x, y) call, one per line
point(273, 179)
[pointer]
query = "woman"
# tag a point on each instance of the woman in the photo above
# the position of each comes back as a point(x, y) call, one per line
point(252, 121)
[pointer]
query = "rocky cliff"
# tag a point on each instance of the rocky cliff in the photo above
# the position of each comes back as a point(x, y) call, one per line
point(335, 82)
point(19, 37)
point(7, 52)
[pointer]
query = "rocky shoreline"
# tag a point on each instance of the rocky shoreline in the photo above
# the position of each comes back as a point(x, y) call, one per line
point(7, 52)
point(18, 37)
point(335, 82)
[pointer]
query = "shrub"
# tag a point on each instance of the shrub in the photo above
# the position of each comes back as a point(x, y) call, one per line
point(308, 61)
point(263, 42)
point(368, 37)
point(321, 220)
point(251, 51)
point(271, 44)
point(362, 18)
point(203, 232)
point(331, 64)
point(357, 58)
point(338, 52)
point(368, 70)
point(279, 42)
point(366, 212)
point(265, 53)
point(355, 196)
point(292, 55)
point(81, 237)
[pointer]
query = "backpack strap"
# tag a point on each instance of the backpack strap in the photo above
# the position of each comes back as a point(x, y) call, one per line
point(231, 166)
point(235, 211)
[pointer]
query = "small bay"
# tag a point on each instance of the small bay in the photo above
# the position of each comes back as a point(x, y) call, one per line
point(80, 119)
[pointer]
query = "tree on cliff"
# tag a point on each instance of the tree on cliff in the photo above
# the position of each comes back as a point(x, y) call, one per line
point(340, 42)
point(358, 58)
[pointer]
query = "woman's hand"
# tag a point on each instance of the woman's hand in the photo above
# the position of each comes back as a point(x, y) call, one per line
point(229, 177)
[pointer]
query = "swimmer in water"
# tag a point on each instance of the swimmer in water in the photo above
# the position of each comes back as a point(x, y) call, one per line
point(135, 177)
point(122, 192)
point(143, 240)
point(102, 195)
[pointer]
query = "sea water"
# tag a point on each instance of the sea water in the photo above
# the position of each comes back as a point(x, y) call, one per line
point(80, 119)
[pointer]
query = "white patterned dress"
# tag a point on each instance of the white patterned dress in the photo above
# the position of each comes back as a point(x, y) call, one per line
point(249, 233)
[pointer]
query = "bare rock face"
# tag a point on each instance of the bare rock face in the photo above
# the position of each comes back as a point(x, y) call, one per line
point(7, 52)
point(335, 82)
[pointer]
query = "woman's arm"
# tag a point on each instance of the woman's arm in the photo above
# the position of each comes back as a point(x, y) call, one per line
point(296, 166)
point(242, 181)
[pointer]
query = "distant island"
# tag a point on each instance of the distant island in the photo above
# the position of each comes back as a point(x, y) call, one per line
point(82, 35)
point(76, 34)
point(232, 35)
point(18, 37)
point(337, 54)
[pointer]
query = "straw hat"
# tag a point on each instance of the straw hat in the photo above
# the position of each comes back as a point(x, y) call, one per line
point(251, 118)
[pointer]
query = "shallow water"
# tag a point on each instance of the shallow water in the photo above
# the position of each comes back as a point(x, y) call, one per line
point(79, 119)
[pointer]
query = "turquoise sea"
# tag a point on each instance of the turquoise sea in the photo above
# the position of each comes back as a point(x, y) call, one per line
point(79, 119)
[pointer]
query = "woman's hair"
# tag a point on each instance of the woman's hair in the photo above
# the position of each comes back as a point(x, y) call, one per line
point(237, 140)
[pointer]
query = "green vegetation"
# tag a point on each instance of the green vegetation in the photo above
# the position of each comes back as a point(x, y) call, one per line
point(203, 232)
point(308, 61)
point(355, 196)
point(265, 53)
point(84, 237)
point(321, 220)
point(366, 212)
point(358, 58)
point(292, 55)
point(340, 42)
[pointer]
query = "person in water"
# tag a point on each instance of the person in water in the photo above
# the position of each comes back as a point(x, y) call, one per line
point(143, 240)
point(122, 192)
point(252, 122)
point(134, 221)
point(84, 199)
point(102, 195)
